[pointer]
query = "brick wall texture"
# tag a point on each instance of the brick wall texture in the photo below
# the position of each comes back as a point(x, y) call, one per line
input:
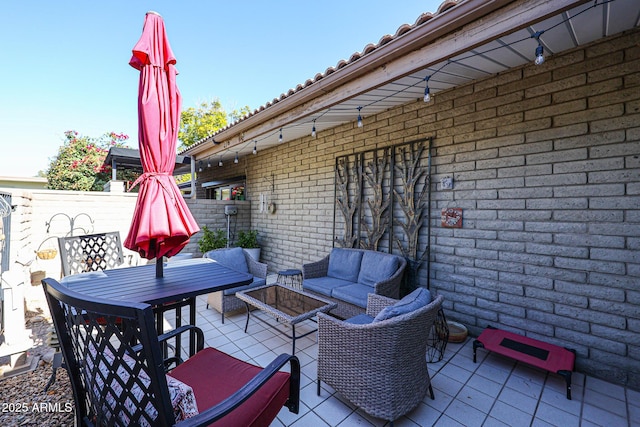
point(546, 167)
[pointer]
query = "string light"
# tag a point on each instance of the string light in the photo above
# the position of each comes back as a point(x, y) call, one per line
point(236, 159)
point(539, 59)
point(255, 147)
point(220, 162)
point(200, 166)
point(540, 49)
point(427, 95)
point(208, 163)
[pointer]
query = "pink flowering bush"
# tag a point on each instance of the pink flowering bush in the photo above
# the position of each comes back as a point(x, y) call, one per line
point(79, 164)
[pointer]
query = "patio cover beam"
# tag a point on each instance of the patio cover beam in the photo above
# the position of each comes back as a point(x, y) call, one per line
point(459, 30)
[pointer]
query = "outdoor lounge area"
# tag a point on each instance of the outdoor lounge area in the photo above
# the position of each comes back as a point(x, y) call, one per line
point(493, 392)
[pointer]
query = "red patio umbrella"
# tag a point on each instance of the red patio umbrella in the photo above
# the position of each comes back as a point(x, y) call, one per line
point(162, 223)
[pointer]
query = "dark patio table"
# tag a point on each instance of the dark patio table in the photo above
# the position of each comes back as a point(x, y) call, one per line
point(185, 279)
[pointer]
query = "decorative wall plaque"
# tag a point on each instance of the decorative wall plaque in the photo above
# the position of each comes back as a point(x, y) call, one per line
point(451, 217)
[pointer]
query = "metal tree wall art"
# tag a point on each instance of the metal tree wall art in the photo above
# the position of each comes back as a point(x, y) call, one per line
point(378, 204)
point(411, 201)
point(385, 206)
point(347, 204)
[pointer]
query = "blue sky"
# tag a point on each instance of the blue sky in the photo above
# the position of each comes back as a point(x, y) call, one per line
point(66, 63)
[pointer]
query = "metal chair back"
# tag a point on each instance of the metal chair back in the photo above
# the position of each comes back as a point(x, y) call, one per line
point(114, 381)
point(90, 252)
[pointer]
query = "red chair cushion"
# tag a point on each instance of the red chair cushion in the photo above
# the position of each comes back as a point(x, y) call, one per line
point(215, 375)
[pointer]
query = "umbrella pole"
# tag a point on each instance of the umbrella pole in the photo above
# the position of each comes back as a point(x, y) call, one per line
point(159, 260)
point(159, 267)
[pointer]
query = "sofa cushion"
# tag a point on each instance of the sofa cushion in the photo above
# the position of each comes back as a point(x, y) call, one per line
point(257, 282)
point(376, 267)
point(415, 300)
point(232, 258)
point(323, 285)
point(355, 294)
point(344, 264)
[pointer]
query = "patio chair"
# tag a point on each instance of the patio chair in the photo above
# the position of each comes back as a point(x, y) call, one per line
point(96, 252)
point(119, 377)
point(90, 252)
point(237, 259)
point(379, 366)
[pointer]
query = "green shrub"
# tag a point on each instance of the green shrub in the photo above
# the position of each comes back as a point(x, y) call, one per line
point(211, 240)
point(248, 239)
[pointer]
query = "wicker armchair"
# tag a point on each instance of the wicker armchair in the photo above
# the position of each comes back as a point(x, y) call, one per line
point(380, 367)
point(226, 301)
point(119, 376)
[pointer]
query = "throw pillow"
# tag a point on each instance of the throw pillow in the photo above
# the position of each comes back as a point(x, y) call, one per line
point(415, 300)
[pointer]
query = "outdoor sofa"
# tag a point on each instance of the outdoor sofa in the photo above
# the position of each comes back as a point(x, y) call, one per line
point(347, 276)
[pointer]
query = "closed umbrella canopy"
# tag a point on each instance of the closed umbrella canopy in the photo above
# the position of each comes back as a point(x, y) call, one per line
point(162, 223)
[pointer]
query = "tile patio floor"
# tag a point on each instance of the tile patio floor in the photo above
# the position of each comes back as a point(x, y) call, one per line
point(493, 392)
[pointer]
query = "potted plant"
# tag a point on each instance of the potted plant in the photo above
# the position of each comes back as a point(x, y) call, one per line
point(248, 240)
point(211, 240)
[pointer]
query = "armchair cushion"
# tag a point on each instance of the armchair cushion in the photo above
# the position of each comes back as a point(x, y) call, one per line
point(258, 410)
point(232, 258)
point(344, 264)
point(257, 282)
point(377, 266)
point(360, 319)
point(415, 300)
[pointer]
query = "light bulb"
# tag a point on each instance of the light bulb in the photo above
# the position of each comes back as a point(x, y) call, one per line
point(236, 159)
point(359, 117)
point(539, 55)
point(313, 131)
point(220, 163)
point(255, 148)
point(427, 91)
point(208, 163)
point(280, 137)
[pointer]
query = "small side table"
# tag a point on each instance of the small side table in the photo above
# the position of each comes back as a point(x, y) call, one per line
point(291, 277)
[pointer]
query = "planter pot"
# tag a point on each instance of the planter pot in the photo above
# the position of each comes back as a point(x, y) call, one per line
point(253, 253)
point(457, 332)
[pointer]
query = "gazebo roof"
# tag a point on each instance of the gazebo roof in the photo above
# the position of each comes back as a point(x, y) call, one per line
point(129, 158)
